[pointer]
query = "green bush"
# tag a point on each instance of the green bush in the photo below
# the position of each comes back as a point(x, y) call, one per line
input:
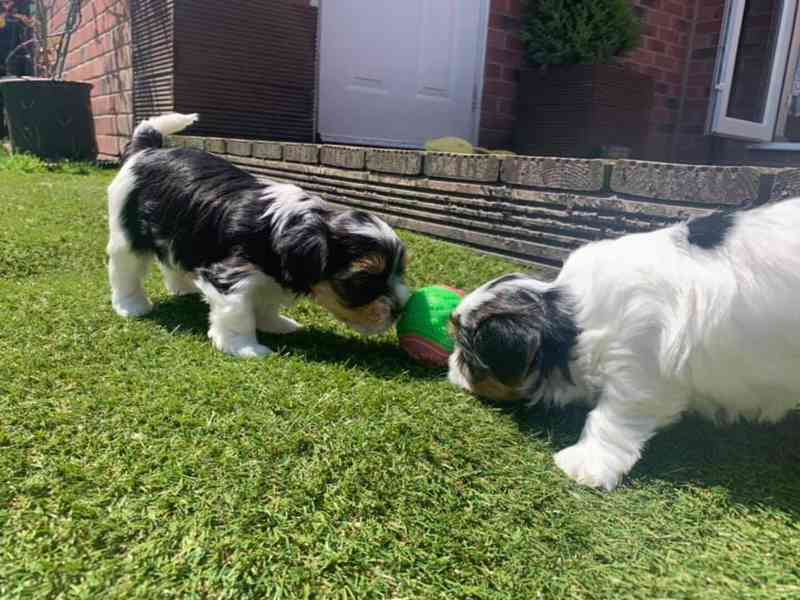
point(563, 32)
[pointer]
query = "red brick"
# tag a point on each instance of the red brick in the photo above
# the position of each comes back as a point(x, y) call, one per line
point(515, 7)
point(490, 103)
point(642, 57)
point(676, 8)
point(493, 71)
point(499, 6)
point(710, 13)
point(496, 20)
point(668, 35)
point(496, 39)
point(666, 62)
point(105, 125)
point(708, 27)
point(104, 105)
point(654, 72)
point(124, 124)
point(507, 107)
point(501, 89)
point(659, 19)
point(677, 52)
point(656, 45)
point(109, 146)
point(513, 42)
point(510, 74)
point(504, 57)
point(681, 25)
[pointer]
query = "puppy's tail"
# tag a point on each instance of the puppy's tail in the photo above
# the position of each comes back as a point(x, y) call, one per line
point(150, 133)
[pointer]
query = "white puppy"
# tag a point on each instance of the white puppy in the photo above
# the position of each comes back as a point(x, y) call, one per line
point(702, 316)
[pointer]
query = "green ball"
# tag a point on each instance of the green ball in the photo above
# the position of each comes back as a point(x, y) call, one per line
point(423, 327)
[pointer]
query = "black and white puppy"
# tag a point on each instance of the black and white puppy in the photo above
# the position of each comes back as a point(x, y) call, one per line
point(250, 248)
point(701, 316)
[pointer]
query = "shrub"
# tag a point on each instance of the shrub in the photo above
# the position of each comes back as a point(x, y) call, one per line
point(562, 32)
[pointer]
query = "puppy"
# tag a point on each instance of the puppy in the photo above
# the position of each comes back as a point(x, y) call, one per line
point(702, 316)
point(249, 248)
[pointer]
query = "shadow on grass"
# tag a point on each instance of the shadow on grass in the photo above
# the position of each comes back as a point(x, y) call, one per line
point(758, 465)
point(189, 315)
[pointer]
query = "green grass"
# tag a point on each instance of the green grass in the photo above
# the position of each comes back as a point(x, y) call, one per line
point(138, 463)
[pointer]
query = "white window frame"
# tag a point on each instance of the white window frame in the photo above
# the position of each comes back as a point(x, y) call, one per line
point(723, 125)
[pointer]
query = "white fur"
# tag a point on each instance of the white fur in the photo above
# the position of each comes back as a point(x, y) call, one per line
point(667, 327)
point(253, 303)
point(126, 269)
point(167, 124)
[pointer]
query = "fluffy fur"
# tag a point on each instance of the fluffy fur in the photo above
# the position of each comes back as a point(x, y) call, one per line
point(248, 247)
point(702, 316)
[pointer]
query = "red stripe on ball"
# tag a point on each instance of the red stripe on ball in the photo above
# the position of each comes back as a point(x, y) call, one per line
point(424, 350)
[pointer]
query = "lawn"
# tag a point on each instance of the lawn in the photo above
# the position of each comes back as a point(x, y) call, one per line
point(138, 463)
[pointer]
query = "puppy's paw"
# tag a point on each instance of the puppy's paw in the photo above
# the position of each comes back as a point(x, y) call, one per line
point(591, 465)
point(278, 324)
point(131, 306)
point(239, 346)
point(251, 351)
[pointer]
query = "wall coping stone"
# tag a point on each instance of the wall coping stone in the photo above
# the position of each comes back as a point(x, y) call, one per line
point(497, 175)
point(345, 157)
point(574, 174)
point(688, 183)
point(191, 141)
point(786, 185)
point(268, 150)
point(216, 145)
point(465, 167)
point(302, 153)
point(239, 147)
point(398, 162)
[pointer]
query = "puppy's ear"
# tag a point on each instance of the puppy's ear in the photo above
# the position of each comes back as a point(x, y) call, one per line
point(303, 250)
point(508, 346)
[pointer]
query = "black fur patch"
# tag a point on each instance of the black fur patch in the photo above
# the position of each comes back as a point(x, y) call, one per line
point(559, 335)
point(515, 332)
point(147, 137)
point(710, 231)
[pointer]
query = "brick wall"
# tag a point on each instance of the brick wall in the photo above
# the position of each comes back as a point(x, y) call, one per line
point(693, 145)
point(666, 26)
point(505, 55)
point(662, 56)
point(100, 54)
point(536, 210)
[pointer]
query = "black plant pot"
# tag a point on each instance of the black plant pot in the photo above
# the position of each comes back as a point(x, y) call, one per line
point(50, 119)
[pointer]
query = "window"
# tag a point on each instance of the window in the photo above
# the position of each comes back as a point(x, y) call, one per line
point(750, 94)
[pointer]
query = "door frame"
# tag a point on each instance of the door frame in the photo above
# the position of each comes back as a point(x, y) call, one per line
point(718, 122)
point(480, 67)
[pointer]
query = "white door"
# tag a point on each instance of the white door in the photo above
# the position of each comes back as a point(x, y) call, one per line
point(399, 72)
point(751, 68)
